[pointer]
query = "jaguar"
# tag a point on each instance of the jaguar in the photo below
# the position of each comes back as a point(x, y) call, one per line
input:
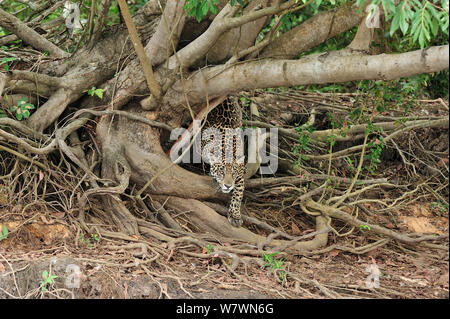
point(222, 147)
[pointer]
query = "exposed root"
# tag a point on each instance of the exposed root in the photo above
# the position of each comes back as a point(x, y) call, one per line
point(174, 217)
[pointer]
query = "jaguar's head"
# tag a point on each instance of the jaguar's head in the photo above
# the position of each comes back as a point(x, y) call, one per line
point(226, 174)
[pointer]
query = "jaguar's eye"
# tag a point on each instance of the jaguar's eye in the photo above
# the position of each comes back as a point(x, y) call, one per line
point(218, 170)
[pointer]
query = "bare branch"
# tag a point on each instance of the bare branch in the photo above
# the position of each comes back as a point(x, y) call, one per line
point(153, 85)
point(363, 37)
point(100, 22)
point(333, 67)
point(159, 46)
point(313, 32)
point(30, 36)
point(223, 22)
point(36, 77)
point(44, 26)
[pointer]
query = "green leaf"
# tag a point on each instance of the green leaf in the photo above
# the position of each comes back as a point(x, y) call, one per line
point(388, 6)
point(22, 101)
point(205, 8)
point(395, 23)
point(426, 35)
point(404, 25)
point(199, 13)
point(434, 27)
point(99, 93)
point(212, 7)
point(26, 113)
point(433, 11)
point(45, 274)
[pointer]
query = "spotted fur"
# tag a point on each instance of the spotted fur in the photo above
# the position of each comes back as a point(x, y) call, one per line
point(225, 153)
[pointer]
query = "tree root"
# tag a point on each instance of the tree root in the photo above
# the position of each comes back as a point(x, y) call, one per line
point(341, 215)
point(208, 221)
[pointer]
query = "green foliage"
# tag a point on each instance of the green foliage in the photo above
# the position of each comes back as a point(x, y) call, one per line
point(420, 21)
point(94, 237)
point(209, 248)
point(22, 10)
point(401, 93)
point(245, 101)
point(89, 242)
point(288, 21)
point(48, 280)
point(113, 14)
point(304, 139)
point(350, 165)
point(438, 205)
point(200, 8)
point(274, 264)
point(4, 233)
point(94, 91)
point(22, 109)
point(331, 139)
point(4, 61)
point(375, 148)
point(364, 227)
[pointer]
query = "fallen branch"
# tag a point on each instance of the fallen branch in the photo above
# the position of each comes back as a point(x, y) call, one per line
point(11, 23)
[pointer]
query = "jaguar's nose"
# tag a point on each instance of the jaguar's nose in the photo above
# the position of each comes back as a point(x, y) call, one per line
point(227, 188)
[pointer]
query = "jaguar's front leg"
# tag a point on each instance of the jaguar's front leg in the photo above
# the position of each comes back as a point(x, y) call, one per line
point(234, 212)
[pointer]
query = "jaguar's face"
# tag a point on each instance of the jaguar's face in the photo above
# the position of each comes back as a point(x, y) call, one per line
point(226, 175)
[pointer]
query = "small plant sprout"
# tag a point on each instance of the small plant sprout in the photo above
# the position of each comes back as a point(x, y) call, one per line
point(94, 91)
point(48, 280)
point(4, 61)
point(22, 109)
point(275, 264)
point(442, 207)
point(245, 101)
point(209, 248)
point(304, 139)
point(364, 227)
point(94, 237)
point(4, 233)
point(89, 242)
